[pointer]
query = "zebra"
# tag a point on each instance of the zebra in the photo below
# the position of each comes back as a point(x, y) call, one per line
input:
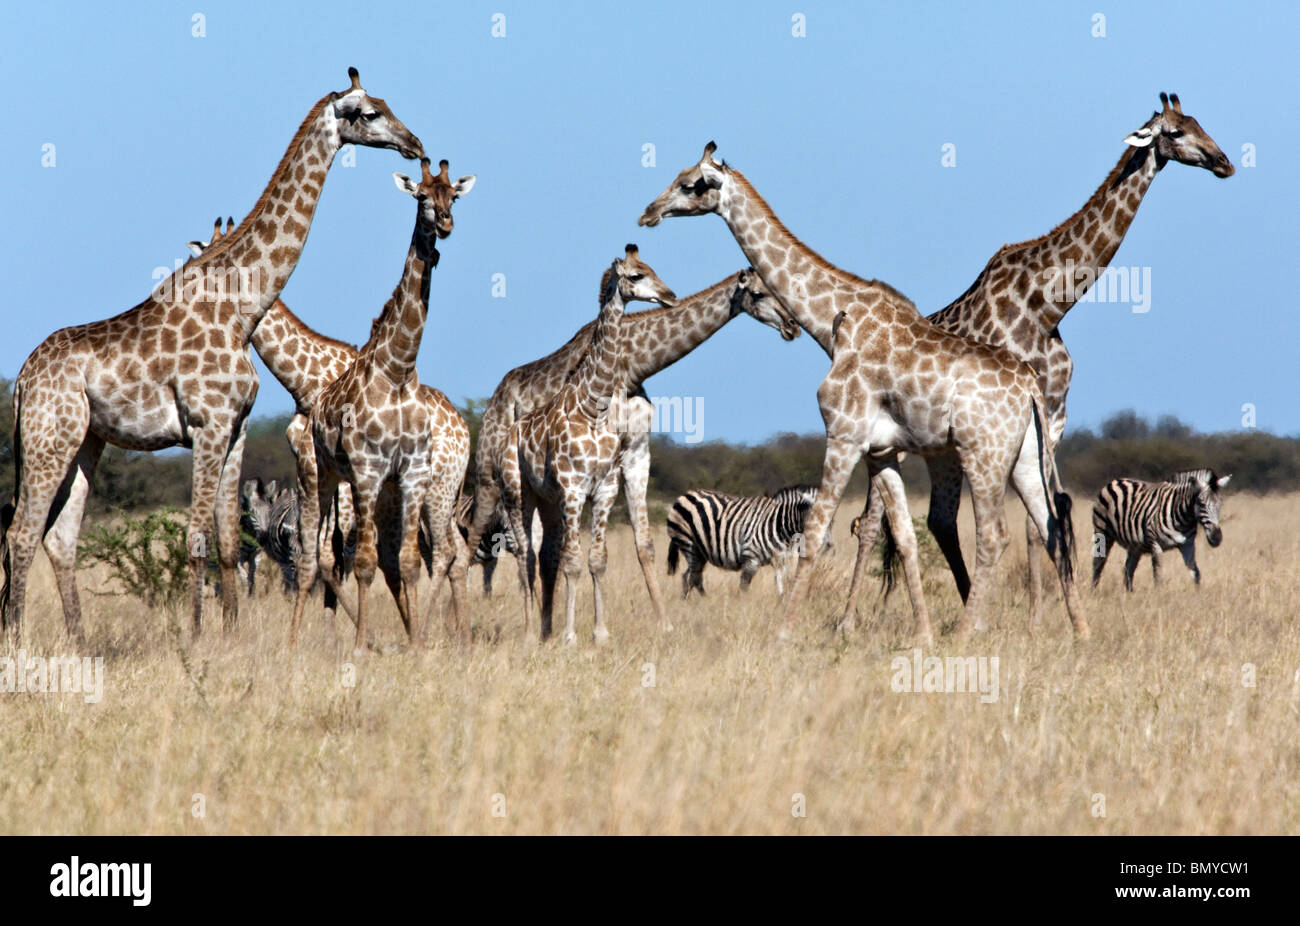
point(496, 539)
point(269, 523)
point(1148, 517)
point(735, 532)
point(255, 499)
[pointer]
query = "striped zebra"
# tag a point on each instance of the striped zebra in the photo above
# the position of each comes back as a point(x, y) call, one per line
point(270, 517)
point(496, 539)
point(735, 532)
point(255, 499)
point(1149, 517)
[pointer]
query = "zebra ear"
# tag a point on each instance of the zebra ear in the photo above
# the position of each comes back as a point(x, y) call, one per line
point(1222, 481)
point(272, 487)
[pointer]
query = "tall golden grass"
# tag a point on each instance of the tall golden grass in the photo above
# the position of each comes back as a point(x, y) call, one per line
point(1152, 722)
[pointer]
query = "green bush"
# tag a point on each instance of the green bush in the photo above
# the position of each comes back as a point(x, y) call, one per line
point(147, 556)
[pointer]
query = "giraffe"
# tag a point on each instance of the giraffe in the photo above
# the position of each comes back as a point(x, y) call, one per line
point(371, 427)
point(1019, 299)
point(173, 371)
point(897, 384)
point(558, 456)
point(652, 340)
point(304, 361)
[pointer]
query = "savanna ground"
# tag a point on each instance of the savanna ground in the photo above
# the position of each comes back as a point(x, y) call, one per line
point(1152, 721)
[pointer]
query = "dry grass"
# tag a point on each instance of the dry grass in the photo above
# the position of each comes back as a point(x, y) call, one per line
point(1152, 713)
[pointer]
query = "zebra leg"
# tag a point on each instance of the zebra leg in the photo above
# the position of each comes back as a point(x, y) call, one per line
point(695, 573)
point(868, 531)
point(1130, 566)
point(1100, 553)
point(1188, 549)
point(1155, 565)
point(747, 571)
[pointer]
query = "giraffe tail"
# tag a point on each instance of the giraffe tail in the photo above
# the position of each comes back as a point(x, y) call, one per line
point(889, 558)
point(10, 508)
point(1060, 524)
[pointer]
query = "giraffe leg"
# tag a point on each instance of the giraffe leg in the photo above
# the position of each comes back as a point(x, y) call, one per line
point(227, 523)
point(44, 450)
point(868, 531)
point(365, 492)
point(548, 562)
point(449, 558)
point(636, 480)
point(1033, 548)
point(314, 494)
point(597, 556)
point(571, 560)
point(211, 446)
point(511, 491)
point(841, 456)
point(389, 531)
point(945, 502)
point(409, 560)
point(1050, 516)
point(991, 539)
point(65, 527)
point(900, 521)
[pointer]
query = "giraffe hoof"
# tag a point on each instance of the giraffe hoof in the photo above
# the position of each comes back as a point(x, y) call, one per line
point(1082, 633)
point(569, 638)
point(601, 635)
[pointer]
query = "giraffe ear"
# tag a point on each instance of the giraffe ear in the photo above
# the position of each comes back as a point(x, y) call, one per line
point(1141, 138)
point(406, 184)
point(196, 247)
point(465, 184)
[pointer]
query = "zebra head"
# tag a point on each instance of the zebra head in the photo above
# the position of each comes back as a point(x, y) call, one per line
point(753, 298)
point(255, 498)
point(1208, 501)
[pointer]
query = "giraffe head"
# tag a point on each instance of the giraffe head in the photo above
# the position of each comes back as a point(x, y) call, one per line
point(435, 193)
point(752, 297)
point(1208, 502)
point(634, 281)
point(695, 191)
point(1176, 137)
point(198, 247)
point(367, 120)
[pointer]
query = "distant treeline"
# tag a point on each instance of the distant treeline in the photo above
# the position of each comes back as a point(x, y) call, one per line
point(1125, 445)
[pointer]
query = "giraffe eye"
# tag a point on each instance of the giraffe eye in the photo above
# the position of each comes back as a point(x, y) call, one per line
point(636, 277)
point(1175, 133)
point(370, 117)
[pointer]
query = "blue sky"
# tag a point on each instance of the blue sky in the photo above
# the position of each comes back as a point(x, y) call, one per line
point(157, 131)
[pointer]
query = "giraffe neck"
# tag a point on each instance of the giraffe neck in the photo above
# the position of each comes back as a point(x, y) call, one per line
point(304, 361)
point(791, 270)
point(1083, 245)
point(602, 372)
point(658, 338)
point(395, 337)
point(266, 245)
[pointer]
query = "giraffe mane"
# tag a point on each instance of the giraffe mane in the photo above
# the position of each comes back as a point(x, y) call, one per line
point(220, 247)
point(293, 321)
point(1112, 178)
point(789, 236)
point(604, 282)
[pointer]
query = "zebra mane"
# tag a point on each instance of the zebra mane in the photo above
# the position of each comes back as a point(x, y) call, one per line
point(801, 491)
point(1198, 476)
